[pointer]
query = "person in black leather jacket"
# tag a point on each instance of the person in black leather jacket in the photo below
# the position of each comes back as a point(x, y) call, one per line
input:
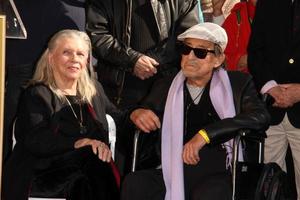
point(136, 37)
point(203, 110)
point(134, 42)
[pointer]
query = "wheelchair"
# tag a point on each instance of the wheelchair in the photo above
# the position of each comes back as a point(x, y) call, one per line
point(251, 178)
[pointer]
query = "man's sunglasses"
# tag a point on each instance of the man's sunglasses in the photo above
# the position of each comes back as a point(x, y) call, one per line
point(199, 52)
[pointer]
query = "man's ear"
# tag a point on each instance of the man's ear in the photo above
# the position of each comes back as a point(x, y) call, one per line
point(219, 60)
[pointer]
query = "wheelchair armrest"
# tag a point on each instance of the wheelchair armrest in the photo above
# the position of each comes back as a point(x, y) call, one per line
point(247, 138)
point(112, 132)
point(245, 135)
point(135, 149)
point(249, 134)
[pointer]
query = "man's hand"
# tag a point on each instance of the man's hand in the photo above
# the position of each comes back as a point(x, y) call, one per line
point(242, 64)
point(145, 119)
point(292, 93)
point(145, 67)
point(217, 7)
point(191, 150)
point(278, 93)
point(98, 147)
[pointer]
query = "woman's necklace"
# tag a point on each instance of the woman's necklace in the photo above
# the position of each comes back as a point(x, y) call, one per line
point(83, 129)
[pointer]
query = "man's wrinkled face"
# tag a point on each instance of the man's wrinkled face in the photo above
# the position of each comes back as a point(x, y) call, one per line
point(197, 68)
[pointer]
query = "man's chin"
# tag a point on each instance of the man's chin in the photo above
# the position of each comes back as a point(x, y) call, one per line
point(190, 75)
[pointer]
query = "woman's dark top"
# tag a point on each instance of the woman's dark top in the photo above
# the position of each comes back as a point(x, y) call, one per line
point(70, 123)
point(46, 131)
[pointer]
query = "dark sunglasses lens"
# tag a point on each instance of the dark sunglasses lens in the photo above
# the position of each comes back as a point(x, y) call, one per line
point(200, 53)
point(185, 49)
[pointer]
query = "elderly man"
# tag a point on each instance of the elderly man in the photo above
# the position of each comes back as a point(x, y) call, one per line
point(205, 108)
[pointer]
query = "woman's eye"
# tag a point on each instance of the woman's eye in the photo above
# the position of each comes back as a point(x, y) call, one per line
point(81, 54)
point(66, 52)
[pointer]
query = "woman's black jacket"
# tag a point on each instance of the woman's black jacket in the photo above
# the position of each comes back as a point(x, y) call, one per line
point(38, 137)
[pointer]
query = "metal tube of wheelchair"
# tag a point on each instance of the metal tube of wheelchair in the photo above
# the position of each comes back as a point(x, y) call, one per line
point(260, 155)
point(235, 159)
point(135, 143)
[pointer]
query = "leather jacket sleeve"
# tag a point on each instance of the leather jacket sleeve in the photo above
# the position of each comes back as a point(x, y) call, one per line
point(252, 115)
point(180, 19)
point(188, 15)
point(108, 34)
point(106, 45)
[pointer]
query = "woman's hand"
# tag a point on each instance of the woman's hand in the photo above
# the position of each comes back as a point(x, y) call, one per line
point(99, 148)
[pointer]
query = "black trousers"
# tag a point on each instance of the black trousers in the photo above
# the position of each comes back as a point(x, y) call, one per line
point(149, 185)
point(208, 180)
point(77, 175)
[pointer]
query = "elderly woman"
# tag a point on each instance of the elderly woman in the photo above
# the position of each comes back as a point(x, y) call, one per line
point(205, 108)
point(61, 129)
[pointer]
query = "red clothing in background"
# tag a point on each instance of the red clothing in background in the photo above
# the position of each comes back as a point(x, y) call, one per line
point(238, 28)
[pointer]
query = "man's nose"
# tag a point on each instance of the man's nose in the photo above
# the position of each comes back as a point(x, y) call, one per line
point(192, 55)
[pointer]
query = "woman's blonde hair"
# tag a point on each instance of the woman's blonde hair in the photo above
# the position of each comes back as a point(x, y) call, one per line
point(44, 71)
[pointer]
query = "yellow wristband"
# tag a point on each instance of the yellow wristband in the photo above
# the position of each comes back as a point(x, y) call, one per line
point(203, 133)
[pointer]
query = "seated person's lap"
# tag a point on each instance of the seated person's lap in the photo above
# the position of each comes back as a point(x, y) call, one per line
point(149, 185)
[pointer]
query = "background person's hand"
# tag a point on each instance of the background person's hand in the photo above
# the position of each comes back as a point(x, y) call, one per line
point(145, 67)
point(292, 93)
point(99, 148)
point(278, 93)
point(145, 119)
point(242, 64)
point(217, 7)
point(190, 154)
